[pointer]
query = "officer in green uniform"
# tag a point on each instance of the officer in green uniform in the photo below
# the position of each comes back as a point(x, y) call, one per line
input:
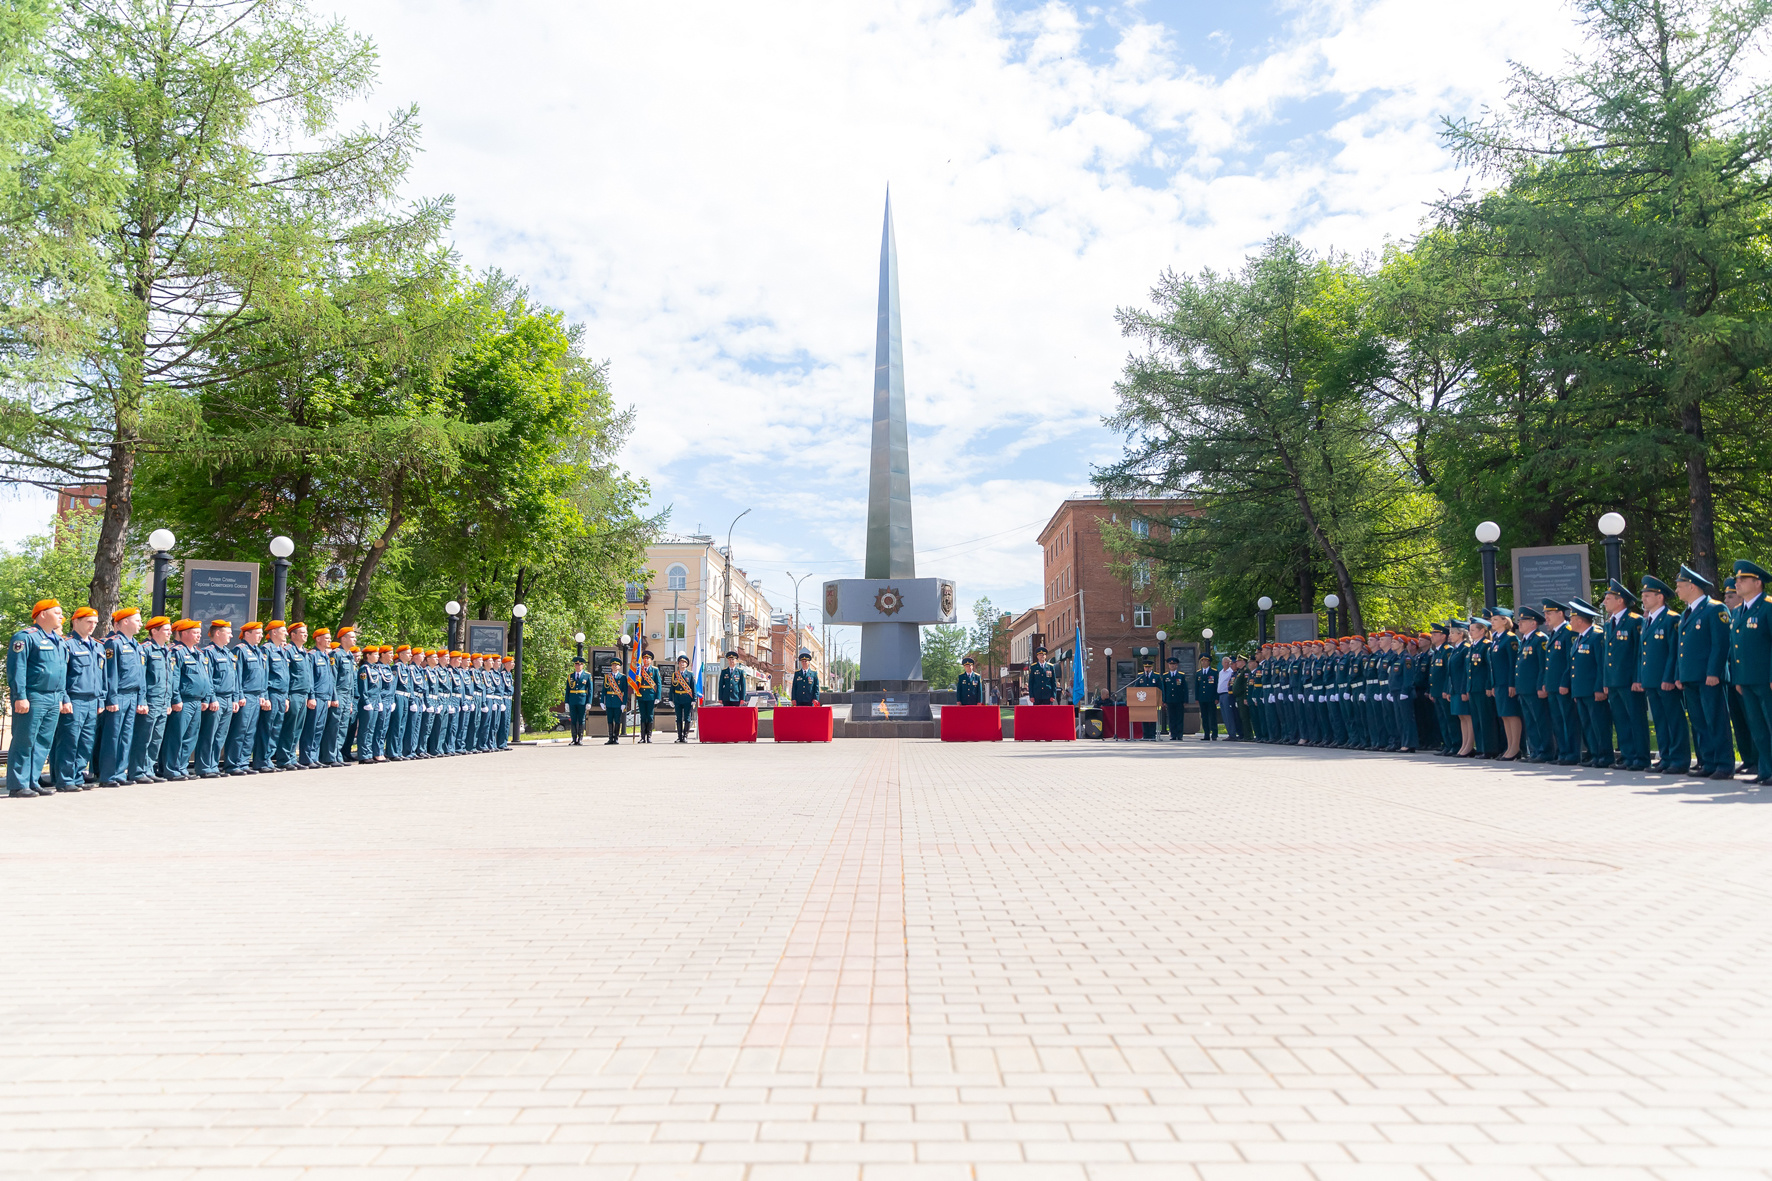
point(1587, 683)
point(1206, 693)
point(968, 686)
point(805, 687)
point(1624, 693)
point(579, 684)
point(646, 694)
point(1436, 688)
point(732, 686)
point(1175, 698)
point(682, 697)
point(37, 678)
point(1750, 659)
point(1658, 657)
point(1043, 679)
point(1565, 720)
point(615, 699)
point(1744, 737)
point(1700, 665)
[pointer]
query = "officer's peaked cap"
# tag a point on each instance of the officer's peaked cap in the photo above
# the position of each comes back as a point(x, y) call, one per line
point(1618, 588)
point(1652, 583)
point(1753, 570)
point(1687, 574)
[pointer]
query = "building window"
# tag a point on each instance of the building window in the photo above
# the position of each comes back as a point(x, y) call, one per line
point(676, 625)
point(632, 627)
point(1141, 573)
point(636, 592)
point(1141, 615)
point(677, 578)
point(1141, 528)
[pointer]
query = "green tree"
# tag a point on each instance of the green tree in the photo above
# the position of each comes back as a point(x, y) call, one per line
point(56, 566)
point(989, 638)
point(1632, 223)
point(943, 646)
point(236, 188)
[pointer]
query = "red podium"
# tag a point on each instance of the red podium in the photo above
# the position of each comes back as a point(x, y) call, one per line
point(726, 723)
point(801, 723)
point(971, 723)
point(1044, 723)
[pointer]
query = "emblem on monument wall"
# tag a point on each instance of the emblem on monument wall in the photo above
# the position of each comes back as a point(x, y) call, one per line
point(888, 601)
point(830, 598)
point(947, 598)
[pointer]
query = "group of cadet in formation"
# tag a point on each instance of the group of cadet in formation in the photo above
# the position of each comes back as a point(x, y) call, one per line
point(1562, 682)
point(620, 691)
point(122, 710)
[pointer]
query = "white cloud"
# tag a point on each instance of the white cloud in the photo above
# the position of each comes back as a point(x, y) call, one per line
point(702, 183)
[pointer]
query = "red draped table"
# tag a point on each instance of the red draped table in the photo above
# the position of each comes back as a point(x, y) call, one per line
point(971, 723)
point(1044, 723)
point(802, 723)
point(726, 723)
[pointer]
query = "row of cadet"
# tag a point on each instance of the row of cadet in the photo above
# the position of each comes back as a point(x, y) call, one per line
point(121, 710)
point(642, 687)
point(1565, 682)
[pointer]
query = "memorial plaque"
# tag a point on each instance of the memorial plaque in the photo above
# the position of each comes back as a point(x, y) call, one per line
point(220, 590)
point(487, 635)
point(1550, 572)
point(1295, 629)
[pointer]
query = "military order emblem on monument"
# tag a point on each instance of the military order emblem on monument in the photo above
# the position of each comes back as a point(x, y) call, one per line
point(891, 653)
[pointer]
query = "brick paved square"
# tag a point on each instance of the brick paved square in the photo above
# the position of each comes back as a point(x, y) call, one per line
point(875, 960)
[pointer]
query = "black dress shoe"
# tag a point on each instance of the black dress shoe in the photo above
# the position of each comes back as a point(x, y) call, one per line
point(1729, 775)
point(26, 794)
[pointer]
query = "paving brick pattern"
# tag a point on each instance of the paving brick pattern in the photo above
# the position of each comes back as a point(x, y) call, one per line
point(871, 961)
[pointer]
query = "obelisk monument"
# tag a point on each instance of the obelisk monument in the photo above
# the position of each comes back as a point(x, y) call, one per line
point(890, 603)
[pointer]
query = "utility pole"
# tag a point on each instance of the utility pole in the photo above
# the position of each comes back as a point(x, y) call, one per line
point(726, 586)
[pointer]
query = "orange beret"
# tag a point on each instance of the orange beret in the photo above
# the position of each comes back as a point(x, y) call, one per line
point(276, 623)
point(157, 621)
point(245, 627)
point(215, 623)
point(123, 613)
point(185, 625)
point(83, 612)
point(296, 624)
point(319, 631)
point(43, 605)
point(354, 648)
point(404, 648)
point(346, 627)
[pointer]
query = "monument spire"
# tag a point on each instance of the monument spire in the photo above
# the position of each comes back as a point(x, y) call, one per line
point(891, 552)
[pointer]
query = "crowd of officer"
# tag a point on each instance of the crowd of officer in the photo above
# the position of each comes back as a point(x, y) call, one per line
point(1671, 667)
point(116, 710)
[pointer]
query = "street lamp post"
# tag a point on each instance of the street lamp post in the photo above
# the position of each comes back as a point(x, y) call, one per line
point(726, 585)
point(1108, 659)
point(1488, 533)
point(517, 614)
point(1206, 634)
point(795, 652)
point(160, 541)
point(1262, 606)
point(1332, 601)
point(1612, 526)
point(281, 548)
point(453, 609)
point(579, 639)
point(1162, 652)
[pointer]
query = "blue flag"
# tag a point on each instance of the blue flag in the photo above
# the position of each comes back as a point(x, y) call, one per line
point(1078, 689)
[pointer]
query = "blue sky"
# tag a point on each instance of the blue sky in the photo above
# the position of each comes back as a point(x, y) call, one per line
point(702, 185)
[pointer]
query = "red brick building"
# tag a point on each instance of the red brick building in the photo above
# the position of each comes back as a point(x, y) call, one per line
point(1084, 589)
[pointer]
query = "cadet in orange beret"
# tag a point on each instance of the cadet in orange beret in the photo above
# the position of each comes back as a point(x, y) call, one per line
point(125, 704)
point(37, 679)
point(77, 729)
point(157, 689)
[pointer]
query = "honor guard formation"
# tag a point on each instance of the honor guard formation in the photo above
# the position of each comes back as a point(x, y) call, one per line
point(191, 701)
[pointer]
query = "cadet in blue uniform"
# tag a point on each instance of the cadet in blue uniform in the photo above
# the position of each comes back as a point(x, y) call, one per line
point(968, 686)
point(682, 697)
point(193, 700)
point(125, 703)
point(224, 680)
point(368, 703)
point(1565, 719)
point(1750, 659)
point(1702, 658)
point(335, 742)
point(1042, 679)
point(253, 720)
point(1587, 683)
point(1529, 691)
point(1175, 699)
point(77, 729)
point(615, 699)
point(732, 681)
point(400, 686)
point(299, 718)
point(150, 728)
point(579, 684)
point(1624, 693)
point(805, 686)
point(325, 692)
point(1658, 657)
point(274, 704)
point(507, 693)
point(37, 679)
point(646, 694)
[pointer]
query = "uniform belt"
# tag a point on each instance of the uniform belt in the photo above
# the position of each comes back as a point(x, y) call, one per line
point(75, 696)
